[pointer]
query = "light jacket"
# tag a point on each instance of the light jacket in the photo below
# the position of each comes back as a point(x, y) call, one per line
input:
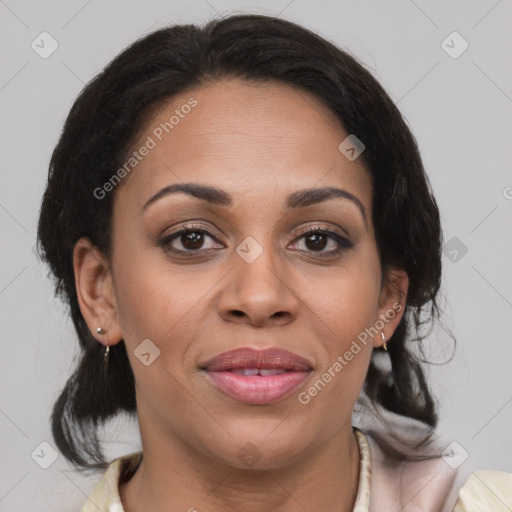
point(386, 484)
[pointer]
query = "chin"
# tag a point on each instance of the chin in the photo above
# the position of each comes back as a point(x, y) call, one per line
point(264, 448)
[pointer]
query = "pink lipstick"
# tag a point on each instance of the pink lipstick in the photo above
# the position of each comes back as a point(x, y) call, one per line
point(257, 376)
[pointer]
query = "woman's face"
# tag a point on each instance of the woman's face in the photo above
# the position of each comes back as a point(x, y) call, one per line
point(248, 274)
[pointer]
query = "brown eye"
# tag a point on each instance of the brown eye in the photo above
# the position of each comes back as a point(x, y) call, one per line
point(190, 239)
point(316, 241)
point(322, 243)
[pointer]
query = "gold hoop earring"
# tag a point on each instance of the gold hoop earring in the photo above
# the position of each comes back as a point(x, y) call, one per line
point(384, 344)
point(105, 357)
point(102, 331)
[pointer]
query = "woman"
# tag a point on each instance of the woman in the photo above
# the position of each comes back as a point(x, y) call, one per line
point(240, 222)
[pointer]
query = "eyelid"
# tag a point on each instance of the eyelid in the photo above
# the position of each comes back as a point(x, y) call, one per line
point(344, 242)
point(325, 227)
point(210, 230)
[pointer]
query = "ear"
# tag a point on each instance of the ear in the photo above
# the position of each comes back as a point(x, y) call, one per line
point(392, 302)
point(95, 292)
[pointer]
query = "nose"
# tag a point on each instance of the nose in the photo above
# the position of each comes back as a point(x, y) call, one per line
point(258, 293)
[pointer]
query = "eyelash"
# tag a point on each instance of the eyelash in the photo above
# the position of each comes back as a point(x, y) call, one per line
point(343, 242)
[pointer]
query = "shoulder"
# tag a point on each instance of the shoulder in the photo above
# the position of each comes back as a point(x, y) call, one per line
point(411, 484)
point(486, 490)
point(434, 484)
point(105, 495)
point(434, 477)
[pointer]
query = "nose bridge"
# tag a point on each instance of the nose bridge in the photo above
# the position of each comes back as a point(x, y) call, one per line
point(257, 242)
point(259, 269)
point(258, 286)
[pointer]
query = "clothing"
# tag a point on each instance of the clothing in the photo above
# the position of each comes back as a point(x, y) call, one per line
point(384, 485)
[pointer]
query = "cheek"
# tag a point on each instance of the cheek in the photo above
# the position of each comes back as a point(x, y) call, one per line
point(347, 307)
point(163, 305)
point(347, 299)
point(160, 301)
point(344, 307)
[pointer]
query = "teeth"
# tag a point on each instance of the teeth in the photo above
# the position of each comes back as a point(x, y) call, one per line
point(274, 371)
point(246, 371)
point(254, 371)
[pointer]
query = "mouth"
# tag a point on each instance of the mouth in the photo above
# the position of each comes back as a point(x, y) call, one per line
point(257, 376)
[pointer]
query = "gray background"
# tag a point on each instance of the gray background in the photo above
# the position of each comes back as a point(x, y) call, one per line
point(458, 108)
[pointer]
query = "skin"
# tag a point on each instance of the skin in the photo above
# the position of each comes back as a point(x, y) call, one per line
point(259, 143)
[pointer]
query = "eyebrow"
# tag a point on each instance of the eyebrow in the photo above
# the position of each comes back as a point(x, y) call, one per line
point(216, 196)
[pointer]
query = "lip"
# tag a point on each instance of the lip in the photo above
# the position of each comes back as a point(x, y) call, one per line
point(257, 389)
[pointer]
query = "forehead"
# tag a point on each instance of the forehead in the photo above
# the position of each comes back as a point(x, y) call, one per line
point(255, 138)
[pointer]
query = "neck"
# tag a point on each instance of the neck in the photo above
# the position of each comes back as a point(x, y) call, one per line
point(174, 478)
